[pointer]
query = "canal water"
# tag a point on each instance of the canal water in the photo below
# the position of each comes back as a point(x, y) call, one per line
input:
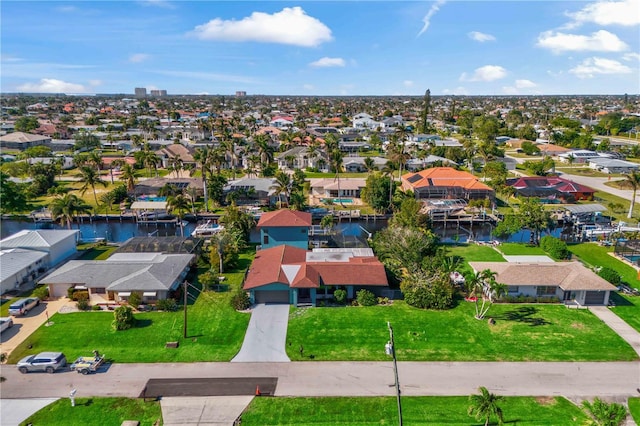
point(118, 231)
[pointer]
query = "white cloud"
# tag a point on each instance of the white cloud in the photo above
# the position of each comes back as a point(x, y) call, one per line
point(136, 58)
point(327, 62)
point(485, 73)
point(66, 9)
point(50, 85)
point(95, 83)
point(607, 13)
point(427, 18)
point(289, 26)
point(481, 37)
point(525, 84)
point(407, 83)
point(457, 91)
point(600, 41)
point(631, 56)
point(592, 66)
point(10, 58)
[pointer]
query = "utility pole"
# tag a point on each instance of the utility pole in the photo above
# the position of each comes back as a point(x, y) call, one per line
point(185, 290)
point(390, 349)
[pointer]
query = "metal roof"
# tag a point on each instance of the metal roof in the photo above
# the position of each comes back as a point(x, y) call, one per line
point(149, 205)
point(36, 238)
point(16, 260)
point(585, 208)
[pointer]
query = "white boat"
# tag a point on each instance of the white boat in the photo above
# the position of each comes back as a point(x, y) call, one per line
point(207, 229)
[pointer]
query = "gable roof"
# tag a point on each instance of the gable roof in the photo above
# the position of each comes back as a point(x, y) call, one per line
point(566, 275)
point(40, 238)
point(285, 218)
point(16, 260)
point(443, 176)
point(23, 137)
point(290, 265)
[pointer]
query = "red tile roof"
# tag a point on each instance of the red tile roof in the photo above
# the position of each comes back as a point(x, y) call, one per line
point(269, 267)
point(285, 217)
point(443, 176)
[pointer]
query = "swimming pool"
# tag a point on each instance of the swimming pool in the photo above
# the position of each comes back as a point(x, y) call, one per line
point(151, 198)
point(339, 200)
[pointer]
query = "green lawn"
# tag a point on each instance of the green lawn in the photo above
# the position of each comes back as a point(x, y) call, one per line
point(215, 331)
point(521, 333)
point(437, 410)
point(92, 411)
point(634, 409)
point(594, 255)
point(627, 308)
point(474, 253)
point(516, 249)
point(101, 252)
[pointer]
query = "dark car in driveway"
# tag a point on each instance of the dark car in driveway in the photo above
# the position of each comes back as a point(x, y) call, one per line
point(44, 361)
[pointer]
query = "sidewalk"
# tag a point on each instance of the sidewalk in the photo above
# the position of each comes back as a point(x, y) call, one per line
point(624, 330)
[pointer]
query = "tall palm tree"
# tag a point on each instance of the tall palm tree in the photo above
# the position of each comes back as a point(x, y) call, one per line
point(117, 163)
point(66, 207)
point(335, 158)
point(95, 159)
point(203, 159)
point(89, 179)
point(179, 204)
point(129, 176)
point(177, 164)
point(485, 405)
point(488, 289)
point(633, 179)
point(282, 186)
point(265, 151)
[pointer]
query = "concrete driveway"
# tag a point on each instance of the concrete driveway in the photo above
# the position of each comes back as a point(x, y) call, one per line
point(266, 335)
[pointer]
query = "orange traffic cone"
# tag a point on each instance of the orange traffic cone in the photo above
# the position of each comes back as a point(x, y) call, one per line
point(258, 390)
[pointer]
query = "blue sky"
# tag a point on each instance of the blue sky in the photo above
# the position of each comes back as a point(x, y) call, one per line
point(321, 47)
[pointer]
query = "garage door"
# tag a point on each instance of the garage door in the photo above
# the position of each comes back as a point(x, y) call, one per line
point(594, 298)
point(58, 290)
point(265, 296)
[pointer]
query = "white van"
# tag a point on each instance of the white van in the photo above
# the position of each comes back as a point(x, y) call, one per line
point(22, 306)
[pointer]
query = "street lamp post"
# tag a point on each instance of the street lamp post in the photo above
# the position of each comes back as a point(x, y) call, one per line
point(390, 349)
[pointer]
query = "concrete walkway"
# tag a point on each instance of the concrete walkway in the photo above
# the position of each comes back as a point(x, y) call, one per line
point(15, 411)
point(266, 335)
point(203, 411)
point(24, 326)
point(624, 330)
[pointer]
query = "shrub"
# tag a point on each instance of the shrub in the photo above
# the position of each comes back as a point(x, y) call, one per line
point(80, 295)
point(83, 304)
point(340, 296)
point(41, 292)
point(610, 275)
point(70, 292)
point(169, 305)
point(96, 308)
point(240, 301)
point(123, 318)
point(135, 299)
point(554, 247)
point(366, 298)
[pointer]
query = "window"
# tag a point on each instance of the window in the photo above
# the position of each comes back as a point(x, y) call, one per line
point(513, 289)
point(99, 290)
point(265, 239)
point(543, 290)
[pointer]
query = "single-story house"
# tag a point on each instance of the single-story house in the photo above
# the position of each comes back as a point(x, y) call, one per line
point(28, 254)
point(612, 165)
point(414, 164)
point(356, 164)
point(347, 190)
point(153, 275)
point(253, 191)
point(152, 186)
point(551, 188)
point(287, 274)
point(445, 182)
point(300, 157)
point(22, 140)
point(176, 150)
point(570, 282)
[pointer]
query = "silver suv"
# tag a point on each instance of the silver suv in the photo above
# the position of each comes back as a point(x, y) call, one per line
point(22, 306)
point(44, 361)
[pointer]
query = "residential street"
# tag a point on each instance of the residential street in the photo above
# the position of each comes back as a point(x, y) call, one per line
point(612, 380)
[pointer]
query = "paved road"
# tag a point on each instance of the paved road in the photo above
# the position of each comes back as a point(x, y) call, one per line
point(598, 183)
point(266, 335)
point(570, 379)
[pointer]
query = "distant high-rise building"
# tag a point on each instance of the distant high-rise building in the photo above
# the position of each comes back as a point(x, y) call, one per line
point(141, 92)
point(156, 92)
point(241, 93)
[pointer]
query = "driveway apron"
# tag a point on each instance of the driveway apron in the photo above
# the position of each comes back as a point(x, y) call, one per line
point(266, 335)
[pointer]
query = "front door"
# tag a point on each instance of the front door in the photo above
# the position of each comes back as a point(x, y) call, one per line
point(304, 295)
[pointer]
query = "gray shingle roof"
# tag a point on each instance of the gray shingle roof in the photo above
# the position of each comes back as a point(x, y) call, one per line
point(148, 272)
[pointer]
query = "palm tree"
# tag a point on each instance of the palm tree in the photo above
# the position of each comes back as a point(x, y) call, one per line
point(369, 164)
point(176, 164)
point(180, 204)
point(90, 178)
point(485, 405)
point(336, 164)
point(633, 179)
point(95, 159)
point(118, 163)
point(66, 207)
point(129, 176)
point(203, 159)
point(282, 186)
point(489, 290)
point(265, 151)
